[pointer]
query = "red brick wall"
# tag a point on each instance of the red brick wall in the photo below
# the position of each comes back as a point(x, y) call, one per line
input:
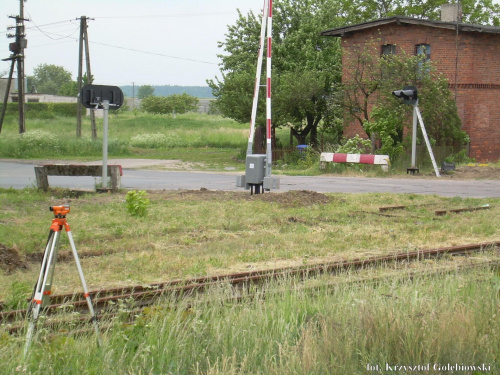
point(476, 82)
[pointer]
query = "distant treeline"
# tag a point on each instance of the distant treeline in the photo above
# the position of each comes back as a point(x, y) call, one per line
point(166, 90)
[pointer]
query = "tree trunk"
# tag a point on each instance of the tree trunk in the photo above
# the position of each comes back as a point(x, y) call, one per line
point(314, 137)
point(300, 136)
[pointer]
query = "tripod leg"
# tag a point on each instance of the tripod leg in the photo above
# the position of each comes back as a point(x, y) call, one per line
point(40, 288)
point(84, 285)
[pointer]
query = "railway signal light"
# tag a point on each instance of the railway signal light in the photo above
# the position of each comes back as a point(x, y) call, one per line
point(409, 94)
point(93, 96)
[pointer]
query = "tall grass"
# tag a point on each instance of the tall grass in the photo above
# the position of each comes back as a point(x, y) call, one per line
point(195, 233)
point(129, 135)
point(448, 319)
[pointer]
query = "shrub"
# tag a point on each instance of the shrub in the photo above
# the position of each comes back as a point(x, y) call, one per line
point(43, 111)
point(137, 202)
point(156, 105)
point(165, 105)
point(65, 109)
point(355, 145)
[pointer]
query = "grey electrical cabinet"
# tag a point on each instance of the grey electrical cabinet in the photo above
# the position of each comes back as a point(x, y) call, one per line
point(255, 169)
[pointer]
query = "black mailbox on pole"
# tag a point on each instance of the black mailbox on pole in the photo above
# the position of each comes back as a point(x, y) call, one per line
point(92, 96)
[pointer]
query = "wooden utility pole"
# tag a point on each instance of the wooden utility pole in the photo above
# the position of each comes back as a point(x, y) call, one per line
point(21, 41)
point(79, 81)
point(7, 91)
point(17, 56)
point(84, 40)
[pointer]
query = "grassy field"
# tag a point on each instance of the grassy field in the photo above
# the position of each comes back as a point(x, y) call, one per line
point(333, 328)
point(210, 141)
point(322, 326)
point(195, 233)
point(428, 322)
point(191, 137)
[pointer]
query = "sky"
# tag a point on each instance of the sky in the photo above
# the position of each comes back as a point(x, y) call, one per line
point(140, 42)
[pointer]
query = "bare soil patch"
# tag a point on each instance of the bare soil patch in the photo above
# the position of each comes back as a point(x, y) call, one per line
point(467, 172)
point(475, 173)
point(294, 198)
point(11, 260)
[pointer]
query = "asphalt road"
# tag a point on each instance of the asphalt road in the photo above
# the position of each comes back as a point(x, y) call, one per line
point(19, 175)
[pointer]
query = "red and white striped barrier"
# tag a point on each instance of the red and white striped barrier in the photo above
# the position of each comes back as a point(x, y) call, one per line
point(332, 157)
point(269, 153)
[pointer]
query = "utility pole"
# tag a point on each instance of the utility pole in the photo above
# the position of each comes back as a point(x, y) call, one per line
point(84, 41)
point(17, 56)
point(21, 41)
point(79, 81)
point(7, 91)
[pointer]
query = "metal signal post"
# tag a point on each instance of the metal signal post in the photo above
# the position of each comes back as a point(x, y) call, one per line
point(42, 291)
point(409, 94)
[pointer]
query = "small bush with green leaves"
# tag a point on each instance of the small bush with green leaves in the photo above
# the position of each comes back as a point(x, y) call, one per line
point(355, 145)
point(137, 202)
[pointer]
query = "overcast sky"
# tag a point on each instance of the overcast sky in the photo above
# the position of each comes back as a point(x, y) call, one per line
point(155, 42)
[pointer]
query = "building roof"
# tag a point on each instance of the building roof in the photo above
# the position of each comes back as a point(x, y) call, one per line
point(400, 20)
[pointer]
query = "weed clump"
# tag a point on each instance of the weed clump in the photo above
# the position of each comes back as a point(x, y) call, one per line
point(137, 203)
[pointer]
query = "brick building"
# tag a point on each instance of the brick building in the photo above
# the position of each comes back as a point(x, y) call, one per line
point(469, 57)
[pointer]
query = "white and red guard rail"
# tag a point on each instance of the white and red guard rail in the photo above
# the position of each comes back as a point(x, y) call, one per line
point(332, 157)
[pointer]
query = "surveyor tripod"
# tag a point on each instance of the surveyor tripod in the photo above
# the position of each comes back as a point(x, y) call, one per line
point(42, 291)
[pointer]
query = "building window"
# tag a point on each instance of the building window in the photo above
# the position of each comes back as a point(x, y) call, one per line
point(424, 52)
point(388, 49)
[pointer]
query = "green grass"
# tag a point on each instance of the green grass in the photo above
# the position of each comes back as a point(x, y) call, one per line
point(195, 233)
point(333, 328)
point(212, 142)
point(129, 135)
point(340, 329)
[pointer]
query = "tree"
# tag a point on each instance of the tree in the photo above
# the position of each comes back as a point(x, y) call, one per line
point(145, 91)
point(177, 103)
point(367, 98)
point(305, 67)
point(49, 79)
point(157, 105)
point(182, 103)
point(71, 88)
point(483, 12)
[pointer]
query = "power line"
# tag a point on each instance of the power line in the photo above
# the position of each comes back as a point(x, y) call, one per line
point(49, 24)
point(70, 37)
point(132, 50)
point(171, 15)
point(51, 44)
point(155, 53)
point(46, 33)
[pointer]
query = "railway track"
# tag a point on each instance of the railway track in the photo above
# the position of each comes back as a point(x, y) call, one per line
point(109, 301)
